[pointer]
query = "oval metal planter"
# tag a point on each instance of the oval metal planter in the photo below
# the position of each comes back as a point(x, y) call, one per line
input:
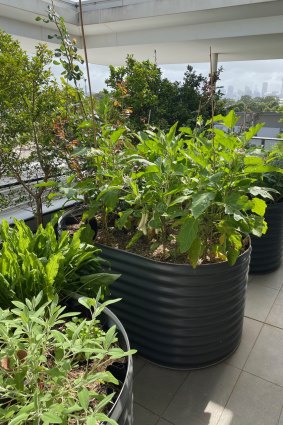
point(177, 316)
point(267, 251)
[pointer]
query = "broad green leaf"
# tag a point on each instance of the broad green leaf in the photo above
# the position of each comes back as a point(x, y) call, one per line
point(19, 419)
point(50, 417)
point(257, 190)
point(234, 245)
point(230, 120)
point(200, 202)
point(259, 227)
point(259, 206)
point(84, 398)
point(253, 160)
point(187, 234)
point(260, 169)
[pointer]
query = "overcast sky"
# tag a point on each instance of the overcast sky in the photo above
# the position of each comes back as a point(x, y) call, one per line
point(238, 74)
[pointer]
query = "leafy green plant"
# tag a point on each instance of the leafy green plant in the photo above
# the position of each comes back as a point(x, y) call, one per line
point(54, 370)
point(29, 119)
point(196, 190)
point(274, 180)
point(34, 262)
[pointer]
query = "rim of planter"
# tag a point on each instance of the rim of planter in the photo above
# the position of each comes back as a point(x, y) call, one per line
point(121, 401)
point(117, 409)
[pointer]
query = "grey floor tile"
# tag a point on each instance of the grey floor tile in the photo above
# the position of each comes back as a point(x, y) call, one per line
point(163, 422)
point(259, 301)
point(266, 358)
point(203, 396)
point(272, 280)
point(253, 402)
point(143, 416)
point(139, 363)
point(251, 331)
point(275, 316)
point(154, 387)
point(281, 418)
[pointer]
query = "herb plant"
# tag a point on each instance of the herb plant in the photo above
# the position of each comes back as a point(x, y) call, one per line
point(30, 263)
point(54, 369)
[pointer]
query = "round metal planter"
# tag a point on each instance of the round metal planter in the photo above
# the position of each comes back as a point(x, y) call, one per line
point(73, 216)
point(122, 409)
point(267, 251)
point(177, 316)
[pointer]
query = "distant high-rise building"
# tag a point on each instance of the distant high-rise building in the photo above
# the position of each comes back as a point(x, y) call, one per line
point(264, 89)
point(281, 92)
point(248, 91)
point(230, 92)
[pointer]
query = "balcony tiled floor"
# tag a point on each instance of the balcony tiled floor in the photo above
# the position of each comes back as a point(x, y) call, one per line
point(246, 389)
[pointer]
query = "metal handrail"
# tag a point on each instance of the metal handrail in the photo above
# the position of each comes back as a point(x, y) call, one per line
point(263, 140)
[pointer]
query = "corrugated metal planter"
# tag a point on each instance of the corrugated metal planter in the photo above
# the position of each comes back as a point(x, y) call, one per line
point(73, 216)
point(267, 251)
point(122, 410)
point(177, 316)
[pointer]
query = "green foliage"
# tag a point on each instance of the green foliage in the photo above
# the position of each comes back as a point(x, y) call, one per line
point(198, 188)
point(254, 104)
point(28, 119)
point(142, 96)
point(54, 368)
point(272, 179)
point(30, 263)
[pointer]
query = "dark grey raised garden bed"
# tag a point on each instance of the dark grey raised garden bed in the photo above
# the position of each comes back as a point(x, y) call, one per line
point(267, 251)
point(177, 316)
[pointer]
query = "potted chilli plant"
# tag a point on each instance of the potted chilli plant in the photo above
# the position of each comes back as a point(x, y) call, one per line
point(267, 251)
point(57, 368)
point(178, 234)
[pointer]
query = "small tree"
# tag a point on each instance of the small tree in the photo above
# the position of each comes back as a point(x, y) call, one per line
point(31, 106)
point(142, 96)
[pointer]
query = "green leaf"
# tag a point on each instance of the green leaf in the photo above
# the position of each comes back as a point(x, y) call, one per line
point(260, 169)
point(257, 190)
point(84, 398)
point(259, 206)
point(46, 184)
point(259, 227)
point(187, 234)
point(19, 419)
point(102, 418)
point(200, 202)
point(230, 120)
point(50, 417)
point(195, 252)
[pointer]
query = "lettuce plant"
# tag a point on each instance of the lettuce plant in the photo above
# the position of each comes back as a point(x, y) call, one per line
point(34, 262)
point(54, 365)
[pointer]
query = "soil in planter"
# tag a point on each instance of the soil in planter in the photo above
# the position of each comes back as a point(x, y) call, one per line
point(164, 252)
